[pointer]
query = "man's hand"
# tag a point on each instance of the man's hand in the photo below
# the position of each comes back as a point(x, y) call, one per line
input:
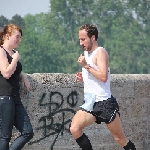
point(82, 60)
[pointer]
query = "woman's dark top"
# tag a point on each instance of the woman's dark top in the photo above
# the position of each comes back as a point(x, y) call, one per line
point(11, 86)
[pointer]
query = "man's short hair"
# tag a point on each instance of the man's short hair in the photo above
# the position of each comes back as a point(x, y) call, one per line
point(91, 30)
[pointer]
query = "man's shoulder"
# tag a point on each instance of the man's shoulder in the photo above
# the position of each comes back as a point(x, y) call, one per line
point(101, 50)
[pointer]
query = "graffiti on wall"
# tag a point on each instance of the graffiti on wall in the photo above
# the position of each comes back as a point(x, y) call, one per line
point(56, 108)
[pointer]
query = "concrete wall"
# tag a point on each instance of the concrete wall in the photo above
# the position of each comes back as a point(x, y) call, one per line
point(54, 98)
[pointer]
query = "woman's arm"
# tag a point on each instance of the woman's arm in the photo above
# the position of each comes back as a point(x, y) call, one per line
point(8, 69)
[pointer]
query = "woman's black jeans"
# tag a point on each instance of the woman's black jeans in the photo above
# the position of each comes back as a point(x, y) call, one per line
point(13, 113)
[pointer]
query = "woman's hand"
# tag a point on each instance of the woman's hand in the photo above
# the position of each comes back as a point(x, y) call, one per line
point(79, 77)
point(24, 81)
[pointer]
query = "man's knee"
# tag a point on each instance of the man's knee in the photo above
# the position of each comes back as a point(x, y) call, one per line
point(74, 129)
point(117, 139)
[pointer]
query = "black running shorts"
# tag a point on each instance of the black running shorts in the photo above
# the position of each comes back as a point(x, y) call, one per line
point(105, 111)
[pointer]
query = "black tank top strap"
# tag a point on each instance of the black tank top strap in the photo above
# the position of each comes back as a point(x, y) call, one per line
point(14, 51)
point(3, 48)
point(6, 51)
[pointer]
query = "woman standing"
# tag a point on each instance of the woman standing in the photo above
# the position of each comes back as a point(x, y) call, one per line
point(12, 111)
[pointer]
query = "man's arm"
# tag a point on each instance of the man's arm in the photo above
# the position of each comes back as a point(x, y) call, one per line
point(102, 61)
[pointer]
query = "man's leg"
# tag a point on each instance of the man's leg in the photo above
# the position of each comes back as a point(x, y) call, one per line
point(81, 120)
point(116, 130)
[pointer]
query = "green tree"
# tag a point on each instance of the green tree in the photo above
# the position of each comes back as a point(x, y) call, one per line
point(122, 35)
point(62, 26)
point(30, 45)
point(18, 20)
point(50, 41)
point(3, 21)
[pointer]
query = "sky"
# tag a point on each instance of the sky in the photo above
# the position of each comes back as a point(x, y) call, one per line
point(9, 8)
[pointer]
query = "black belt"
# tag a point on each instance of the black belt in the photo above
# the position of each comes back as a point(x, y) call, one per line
point(5, 97)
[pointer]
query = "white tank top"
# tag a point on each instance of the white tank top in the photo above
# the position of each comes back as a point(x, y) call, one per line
point(92, 84)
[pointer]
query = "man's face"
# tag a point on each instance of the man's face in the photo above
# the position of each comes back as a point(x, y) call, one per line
point(85, 41)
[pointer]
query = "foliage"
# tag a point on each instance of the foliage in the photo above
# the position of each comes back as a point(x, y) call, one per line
point(50, 41)
point(18, 20)
point(3, 21)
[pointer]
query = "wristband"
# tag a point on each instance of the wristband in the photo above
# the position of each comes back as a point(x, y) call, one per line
point(89, 67)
